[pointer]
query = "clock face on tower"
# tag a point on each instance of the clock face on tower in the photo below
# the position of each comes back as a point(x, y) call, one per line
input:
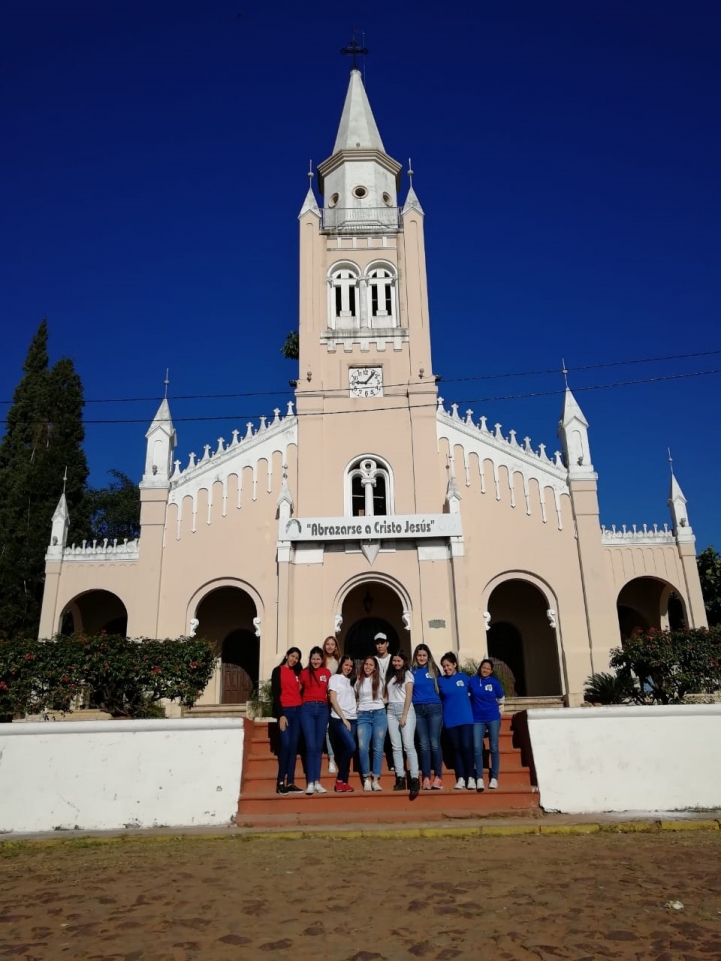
point(366, 381)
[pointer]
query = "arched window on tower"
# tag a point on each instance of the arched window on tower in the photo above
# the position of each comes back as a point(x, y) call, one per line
point(381, 284)
point(343, 307)
point(368, 488)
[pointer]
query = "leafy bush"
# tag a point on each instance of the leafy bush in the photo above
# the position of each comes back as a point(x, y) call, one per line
point(119, 675)
point(665, 666)
point(604, 688)
point(260, 702)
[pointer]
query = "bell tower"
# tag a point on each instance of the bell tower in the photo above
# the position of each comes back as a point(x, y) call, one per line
point(366, 385)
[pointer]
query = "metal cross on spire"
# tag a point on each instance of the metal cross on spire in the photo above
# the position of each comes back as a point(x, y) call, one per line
point(564, 371)
point(354, 50)
point(670, 461)
point(65, 479)
point(167, 381)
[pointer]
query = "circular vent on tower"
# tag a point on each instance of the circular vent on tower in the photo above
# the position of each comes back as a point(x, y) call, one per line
point(333, 200)
point(360, 192)
point(387, 200)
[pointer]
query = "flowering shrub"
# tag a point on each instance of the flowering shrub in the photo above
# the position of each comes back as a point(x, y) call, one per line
point(122, 676)
point(665, 666)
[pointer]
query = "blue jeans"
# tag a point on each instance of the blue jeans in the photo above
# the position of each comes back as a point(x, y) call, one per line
point(288, 745)
point(314, 721)
point(479, 732)
point(372, 727)
point(429, 721)
point(343, 745)
point(461, 738)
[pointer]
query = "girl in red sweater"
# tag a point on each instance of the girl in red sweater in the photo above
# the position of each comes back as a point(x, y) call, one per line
point(314, 717)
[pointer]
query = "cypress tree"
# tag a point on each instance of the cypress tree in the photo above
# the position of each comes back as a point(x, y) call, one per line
point(43, 434)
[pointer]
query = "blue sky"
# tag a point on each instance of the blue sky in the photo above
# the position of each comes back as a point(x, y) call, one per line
point(566, 155)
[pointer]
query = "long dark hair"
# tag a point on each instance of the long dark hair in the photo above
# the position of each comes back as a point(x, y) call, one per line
point(311, 669)
point(431, 666)
point(451, 658)
point(298, 667)
point(375, 676)
point(397, 674)
point(341, 662)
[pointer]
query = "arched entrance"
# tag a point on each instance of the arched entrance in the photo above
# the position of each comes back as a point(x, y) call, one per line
point(225, 617)
point(93, 612)
point(368, 608)
point(647, 602)
point(521, 635)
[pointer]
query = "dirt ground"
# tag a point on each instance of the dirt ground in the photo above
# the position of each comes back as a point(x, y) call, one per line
point(517, 899)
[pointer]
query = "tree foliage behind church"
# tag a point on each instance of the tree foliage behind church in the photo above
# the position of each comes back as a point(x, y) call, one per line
point(709, 570)
point(115, 509)
point(43, 436)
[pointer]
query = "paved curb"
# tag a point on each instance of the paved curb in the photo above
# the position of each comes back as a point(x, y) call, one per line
point(581, 828)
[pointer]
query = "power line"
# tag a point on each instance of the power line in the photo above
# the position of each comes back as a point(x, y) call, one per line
point(475, 400)
point(452, 380)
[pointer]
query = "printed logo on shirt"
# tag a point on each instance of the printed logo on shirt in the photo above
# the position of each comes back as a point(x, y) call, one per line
point(488, 687)
point(460, 684)
point(429, 675)
point(324, 677)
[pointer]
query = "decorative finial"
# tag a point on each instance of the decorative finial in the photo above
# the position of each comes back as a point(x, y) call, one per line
point(167, 381)
point(65, 480)
point(310, 169)
point(564, 371)
point(354, 50)
point(670, 461)
point(410, 172)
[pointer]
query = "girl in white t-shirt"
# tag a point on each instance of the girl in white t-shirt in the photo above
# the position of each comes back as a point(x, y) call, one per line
point(372, 723)
point(343, 715)
point(402, 721)
point(331, 660)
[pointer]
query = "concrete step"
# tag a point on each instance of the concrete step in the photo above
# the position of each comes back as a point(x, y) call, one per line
point(216, 710)
point(261, 784)
point(389, 805)
point(516, 704)
point(267, 765)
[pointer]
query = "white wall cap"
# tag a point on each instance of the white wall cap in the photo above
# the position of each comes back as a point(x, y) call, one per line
point(357, 123)
point(635, 711)
point(122, 727)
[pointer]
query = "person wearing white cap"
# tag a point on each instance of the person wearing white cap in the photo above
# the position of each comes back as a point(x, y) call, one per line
point(382, 655)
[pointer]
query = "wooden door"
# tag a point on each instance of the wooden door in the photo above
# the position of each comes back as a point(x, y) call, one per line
point(237, 684)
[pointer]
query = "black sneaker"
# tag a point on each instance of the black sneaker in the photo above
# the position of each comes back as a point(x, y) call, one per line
point(415, 788)
point(281, 788)
point(400, 784)
point(293, 789)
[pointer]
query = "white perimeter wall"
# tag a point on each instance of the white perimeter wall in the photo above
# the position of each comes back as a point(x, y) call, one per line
point(97, 775)
point(627, 758)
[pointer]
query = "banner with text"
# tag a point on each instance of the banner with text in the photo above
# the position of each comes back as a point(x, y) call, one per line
point(369, 528)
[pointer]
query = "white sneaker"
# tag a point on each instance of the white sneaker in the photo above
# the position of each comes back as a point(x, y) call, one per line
point(332, 766)
point(460, 784)
point(367, 784)
point(310, 789)
point(493, 783)
point(376, 785)
point(471, 784)
point(479, 784)
point(318, 788)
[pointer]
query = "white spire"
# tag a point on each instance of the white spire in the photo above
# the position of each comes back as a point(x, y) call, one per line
point(59, 532)
point(412, 202)
point(159, 451)
point(679, 515)
point(357, 128)
point(285, 498)
point(453, 495)
point(573, 432)
point(310, 205)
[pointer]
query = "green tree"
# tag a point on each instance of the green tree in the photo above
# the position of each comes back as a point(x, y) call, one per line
point(709, 572)
point(43, 436)
point(114, 510)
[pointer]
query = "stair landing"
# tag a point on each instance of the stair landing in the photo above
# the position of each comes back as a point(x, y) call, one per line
point(260, 806)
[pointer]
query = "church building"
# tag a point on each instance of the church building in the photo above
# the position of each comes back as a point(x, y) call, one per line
point(372, 503)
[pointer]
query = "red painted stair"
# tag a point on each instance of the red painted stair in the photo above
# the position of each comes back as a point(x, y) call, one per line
point(259, 804)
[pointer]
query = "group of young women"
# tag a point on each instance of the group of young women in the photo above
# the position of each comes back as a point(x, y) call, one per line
point(348, 706)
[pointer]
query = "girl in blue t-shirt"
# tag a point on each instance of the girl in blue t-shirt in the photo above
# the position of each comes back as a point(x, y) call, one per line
point(429, 716)
point(487, 700)
point(458, 719)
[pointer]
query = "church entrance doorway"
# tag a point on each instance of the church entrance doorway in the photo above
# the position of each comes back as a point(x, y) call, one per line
point(369, 608)
point(521, 635)
point(647, 602)
point(225, 617)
